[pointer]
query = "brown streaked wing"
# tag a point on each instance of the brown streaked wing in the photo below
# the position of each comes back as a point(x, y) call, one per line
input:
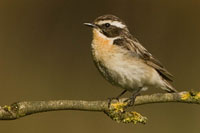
point(149, 59)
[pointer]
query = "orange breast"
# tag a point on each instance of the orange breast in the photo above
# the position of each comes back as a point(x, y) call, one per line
point(100, 40)
point(102, 46)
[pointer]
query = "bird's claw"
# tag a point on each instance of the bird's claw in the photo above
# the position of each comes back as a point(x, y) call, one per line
point(111, 99)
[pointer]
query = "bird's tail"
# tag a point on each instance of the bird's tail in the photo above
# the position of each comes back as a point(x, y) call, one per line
point(169, 88)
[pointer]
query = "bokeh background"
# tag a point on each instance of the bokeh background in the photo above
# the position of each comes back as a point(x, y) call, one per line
point(45, 55)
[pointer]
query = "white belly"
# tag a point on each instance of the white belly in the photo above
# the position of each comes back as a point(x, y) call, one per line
point(127, 71)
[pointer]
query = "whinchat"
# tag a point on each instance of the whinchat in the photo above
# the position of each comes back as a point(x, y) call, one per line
point(123, 61)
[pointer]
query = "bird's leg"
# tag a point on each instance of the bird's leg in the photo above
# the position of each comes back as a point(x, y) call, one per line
point(122, 93)
point(133, 97)
point(117, 98)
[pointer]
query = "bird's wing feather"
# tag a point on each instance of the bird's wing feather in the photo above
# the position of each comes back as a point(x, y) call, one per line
point(135, 46)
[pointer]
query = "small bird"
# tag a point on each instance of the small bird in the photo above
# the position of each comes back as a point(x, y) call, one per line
point(123, 61)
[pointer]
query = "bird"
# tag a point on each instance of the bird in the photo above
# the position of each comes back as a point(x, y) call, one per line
point(123, 61)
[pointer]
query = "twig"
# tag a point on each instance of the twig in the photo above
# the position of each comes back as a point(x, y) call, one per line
point(21, 109)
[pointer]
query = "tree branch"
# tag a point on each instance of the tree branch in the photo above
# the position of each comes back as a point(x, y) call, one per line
point(115, 111)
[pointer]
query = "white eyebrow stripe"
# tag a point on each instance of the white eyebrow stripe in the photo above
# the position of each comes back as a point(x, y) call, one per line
point(114, 23)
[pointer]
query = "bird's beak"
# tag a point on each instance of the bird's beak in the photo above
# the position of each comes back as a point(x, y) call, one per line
point(90, 25)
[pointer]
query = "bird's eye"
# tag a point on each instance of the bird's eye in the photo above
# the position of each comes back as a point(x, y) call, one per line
point(107, 25)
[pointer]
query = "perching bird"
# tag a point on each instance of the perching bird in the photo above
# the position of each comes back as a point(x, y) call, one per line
point(123, 61)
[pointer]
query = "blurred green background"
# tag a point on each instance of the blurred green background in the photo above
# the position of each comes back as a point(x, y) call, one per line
point(45, 54)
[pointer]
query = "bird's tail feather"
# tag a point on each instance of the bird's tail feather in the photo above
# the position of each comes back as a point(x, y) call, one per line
point(169, 88)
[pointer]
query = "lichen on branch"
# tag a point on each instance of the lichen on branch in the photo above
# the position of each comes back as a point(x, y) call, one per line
point(118, 113)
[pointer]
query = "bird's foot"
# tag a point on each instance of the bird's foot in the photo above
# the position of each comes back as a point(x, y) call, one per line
point(131, 100)
point(115, 98)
